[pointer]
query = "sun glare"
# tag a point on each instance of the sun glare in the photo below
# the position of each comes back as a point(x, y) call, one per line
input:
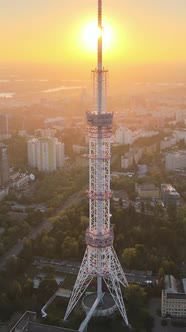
point(91, 34)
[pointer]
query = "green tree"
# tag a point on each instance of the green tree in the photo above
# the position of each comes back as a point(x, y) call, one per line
point(47, 287)
point(26, 252)
point(161, 277)
point(169, 267)
point(135, 297)
point(2, 249)
point(129, 257)
point(12, 265)
point(70, 248)
point(14, 290)
point(48, 245)
point(28, 288)
point(6, 307)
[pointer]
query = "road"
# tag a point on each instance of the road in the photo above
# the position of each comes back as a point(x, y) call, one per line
point(133, 276)
point(45, 225)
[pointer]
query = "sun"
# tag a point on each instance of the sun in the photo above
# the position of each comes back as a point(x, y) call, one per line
point(91, 33)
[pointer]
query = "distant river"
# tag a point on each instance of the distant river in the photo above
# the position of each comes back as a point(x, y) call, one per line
point(62, 88)
point(7, 94)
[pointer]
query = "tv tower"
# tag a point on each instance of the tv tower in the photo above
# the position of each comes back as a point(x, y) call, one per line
point(100, 260)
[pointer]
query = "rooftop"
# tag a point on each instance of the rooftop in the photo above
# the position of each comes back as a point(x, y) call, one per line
point(27, 323)
point(175, 288)
point(168, 187)
point(146, 186)
point(35, 327)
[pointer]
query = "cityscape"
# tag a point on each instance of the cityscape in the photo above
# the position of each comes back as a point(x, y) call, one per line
point(93, 168)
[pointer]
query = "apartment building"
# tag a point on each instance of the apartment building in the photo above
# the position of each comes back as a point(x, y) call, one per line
point(173, 298)
point(175, 160)
point(46, 154)
point(4, 165)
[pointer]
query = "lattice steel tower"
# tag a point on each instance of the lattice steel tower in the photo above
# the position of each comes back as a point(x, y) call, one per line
point(100, 260)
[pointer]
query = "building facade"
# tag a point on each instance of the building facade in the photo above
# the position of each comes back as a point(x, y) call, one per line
point(46, 154)
point(169, 195)
point(21, 182)
point(82, 161)
point(173, 298)
point(3, 193)
point(4, 165)
point(175, 160)
point(131, 158)
point(180, 115)
point(28, 323)
point(147, 190)
point(79, 149)
point(180, 135)
point(123, 136)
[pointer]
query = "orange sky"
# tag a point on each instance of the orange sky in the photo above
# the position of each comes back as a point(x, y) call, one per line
point(50, 31)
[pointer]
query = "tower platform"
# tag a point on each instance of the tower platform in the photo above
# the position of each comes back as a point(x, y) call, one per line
point(106, 308)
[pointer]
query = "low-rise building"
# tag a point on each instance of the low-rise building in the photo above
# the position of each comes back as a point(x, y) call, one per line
point(123, 135)
point(3, 193)
point(21, 182)
point(14, 175)
point(79, 149)
point(142, 169)
point(82, 160)
point(147, 190)
point(169, 195)
point(175, 160)
point(120, 198)
point(28, 323)
point(173, 298)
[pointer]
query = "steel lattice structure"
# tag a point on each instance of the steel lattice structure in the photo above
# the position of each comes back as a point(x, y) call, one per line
point(100, 260)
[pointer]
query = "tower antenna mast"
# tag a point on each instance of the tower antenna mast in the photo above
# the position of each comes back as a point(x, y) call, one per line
point(100, 261)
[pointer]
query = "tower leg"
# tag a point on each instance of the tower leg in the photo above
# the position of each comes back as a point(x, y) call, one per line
point(115, 290)
point(83, 280)
point(113, 279)
point(117, 269)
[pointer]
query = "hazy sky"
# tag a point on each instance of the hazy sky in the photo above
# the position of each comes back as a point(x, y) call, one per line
point(144, 31)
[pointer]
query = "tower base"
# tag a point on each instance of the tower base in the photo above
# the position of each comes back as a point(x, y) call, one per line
point(111, 272)
point(106, 308)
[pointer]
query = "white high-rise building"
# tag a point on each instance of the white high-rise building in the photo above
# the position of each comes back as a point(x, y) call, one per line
point(47, 132)
point(180, 135)
point(123, 136)
point(127, 160)
point(175, 160)
point(60, 154)
point(181, 115)
point(46, 154)
point(126, 136)
point(31, 152)
point(131, 158)
point(4, 165)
